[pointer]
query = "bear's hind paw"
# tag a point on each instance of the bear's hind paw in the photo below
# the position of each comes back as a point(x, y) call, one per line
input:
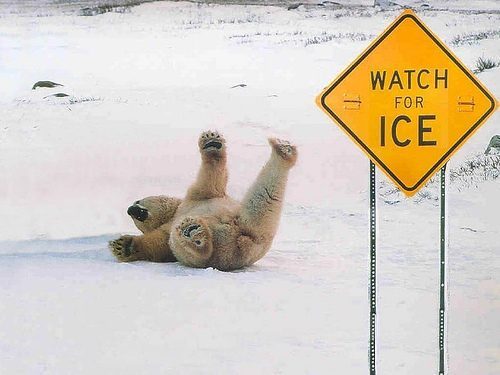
point(193, 231)
point(284, 149)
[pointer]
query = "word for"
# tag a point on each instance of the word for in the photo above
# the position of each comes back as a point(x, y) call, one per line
point(409, 102)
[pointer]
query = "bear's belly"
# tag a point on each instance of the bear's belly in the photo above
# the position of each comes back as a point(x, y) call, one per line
point(220, 215)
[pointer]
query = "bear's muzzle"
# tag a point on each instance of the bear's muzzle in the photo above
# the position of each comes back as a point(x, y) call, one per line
point(138, 212)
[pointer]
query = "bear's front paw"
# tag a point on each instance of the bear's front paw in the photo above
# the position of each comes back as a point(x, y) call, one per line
point(284, 149)
point(211, 143)
point(123, 249)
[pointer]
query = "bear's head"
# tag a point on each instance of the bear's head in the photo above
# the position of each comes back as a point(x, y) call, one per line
point(152, 212)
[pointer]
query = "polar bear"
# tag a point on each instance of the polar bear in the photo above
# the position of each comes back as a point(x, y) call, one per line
point(207, 228)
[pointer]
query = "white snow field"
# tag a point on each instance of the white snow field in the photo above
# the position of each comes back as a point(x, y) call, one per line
point(143, 82)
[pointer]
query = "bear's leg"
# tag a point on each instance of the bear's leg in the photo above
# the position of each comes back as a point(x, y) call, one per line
point(212, 177)
point(153, 246)
point(192, 242)
point(262, 204)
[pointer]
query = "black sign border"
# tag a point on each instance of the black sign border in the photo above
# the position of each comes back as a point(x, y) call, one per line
point(435, 167)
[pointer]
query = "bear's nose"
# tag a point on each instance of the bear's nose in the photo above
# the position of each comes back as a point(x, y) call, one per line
point(138, 212)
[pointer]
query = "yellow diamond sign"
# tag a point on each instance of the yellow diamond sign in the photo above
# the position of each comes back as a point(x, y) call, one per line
point(408, 102)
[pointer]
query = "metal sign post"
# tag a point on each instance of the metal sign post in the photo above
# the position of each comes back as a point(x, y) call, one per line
point(442, 277)
point(373, 270)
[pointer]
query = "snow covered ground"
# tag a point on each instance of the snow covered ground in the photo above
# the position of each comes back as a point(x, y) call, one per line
point(143, 82)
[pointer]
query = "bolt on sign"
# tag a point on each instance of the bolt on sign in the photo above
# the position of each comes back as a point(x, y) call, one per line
point(408, 102)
